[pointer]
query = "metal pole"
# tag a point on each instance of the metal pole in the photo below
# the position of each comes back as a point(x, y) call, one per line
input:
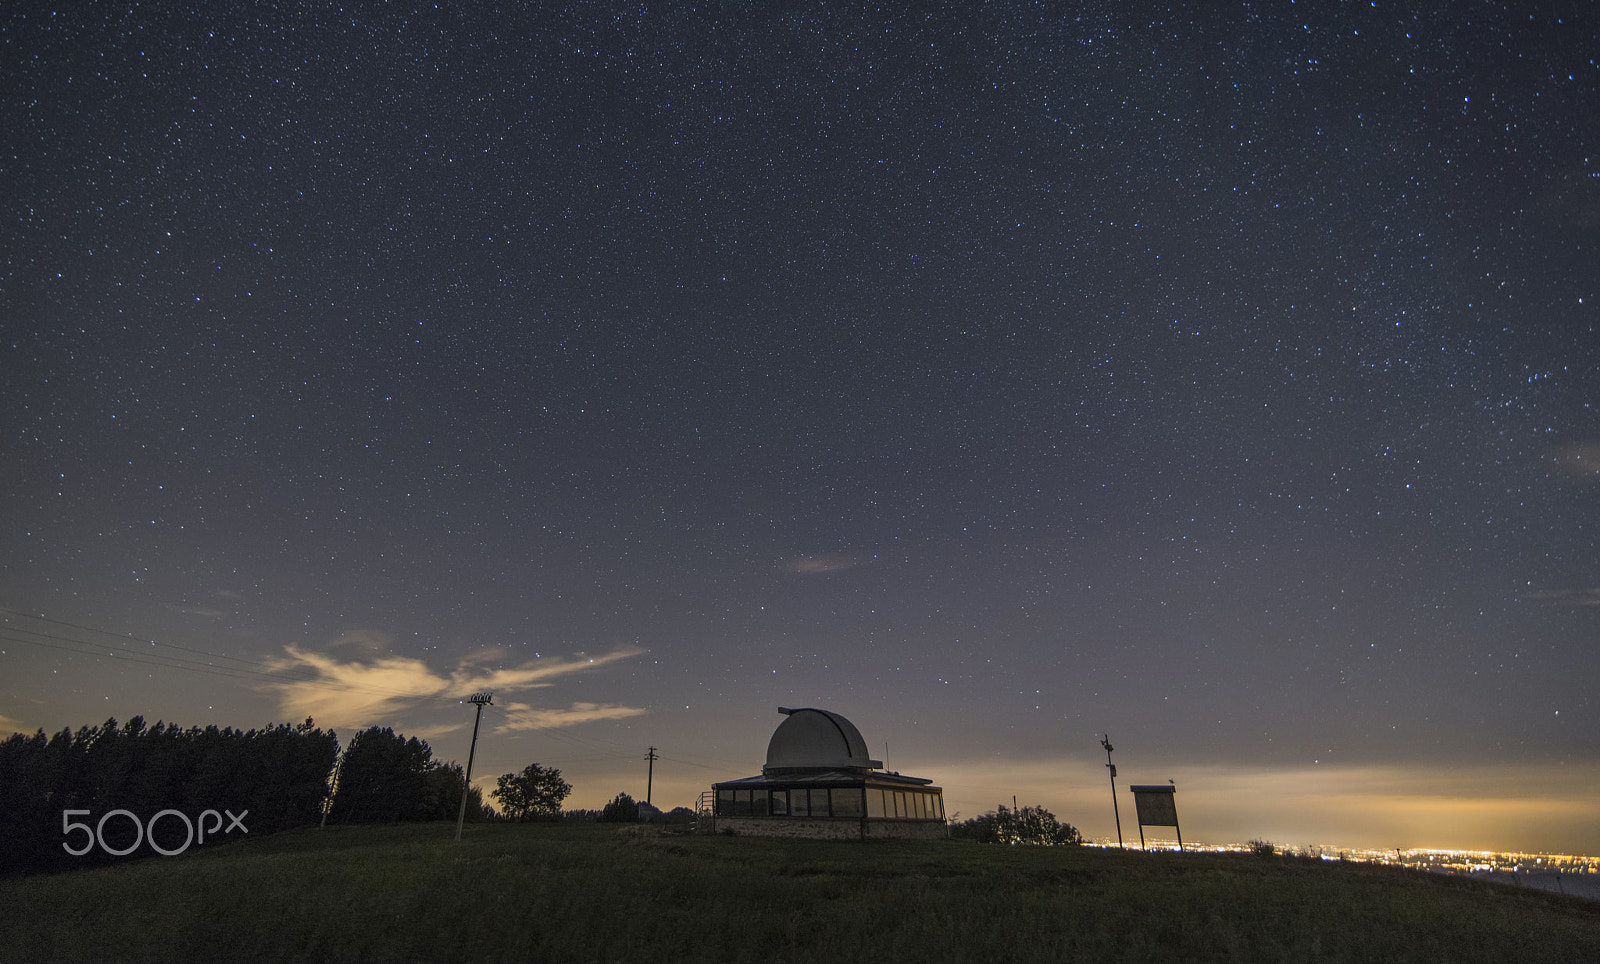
point(479, 699)
point(1106, 742)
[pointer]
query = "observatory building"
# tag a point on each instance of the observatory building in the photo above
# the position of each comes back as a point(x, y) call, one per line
point(818, 782)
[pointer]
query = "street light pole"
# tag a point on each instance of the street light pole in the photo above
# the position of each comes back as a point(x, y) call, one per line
point(479, 700)
point(1106, 742)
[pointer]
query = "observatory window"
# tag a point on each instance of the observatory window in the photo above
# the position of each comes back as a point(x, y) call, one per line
point(780, 803)
point(875, 803)
point(758, 806)
point(846, 802)
point(798, 805)
point(724, 803)
point(819, 803)
point(741, 803)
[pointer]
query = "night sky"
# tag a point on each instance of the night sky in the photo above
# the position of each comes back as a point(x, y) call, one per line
point(1219, 379)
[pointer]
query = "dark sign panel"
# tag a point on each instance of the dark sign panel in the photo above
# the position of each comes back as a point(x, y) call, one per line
point(1156, 806)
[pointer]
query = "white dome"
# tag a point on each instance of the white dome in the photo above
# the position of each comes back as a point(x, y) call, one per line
point(817, 739)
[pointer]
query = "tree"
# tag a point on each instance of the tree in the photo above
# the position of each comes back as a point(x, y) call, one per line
point(534, 794)
point(277, 775)
point(383, 778)
point(622, 809)
point(1025, 825)
point(442, 794)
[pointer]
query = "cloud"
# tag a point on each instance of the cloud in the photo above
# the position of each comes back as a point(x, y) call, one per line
point(194, 611)
point(809, 565)
point(367, 640)
point(1568, 597)
point(8, 725)
point(521, 716)
point(435, 731)
point(365, 688)
point(532, 673)
point(1581, 460)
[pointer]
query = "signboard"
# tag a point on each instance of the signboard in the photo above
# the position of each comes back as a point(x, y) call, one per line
point(1156, 805)
point(1156, 809)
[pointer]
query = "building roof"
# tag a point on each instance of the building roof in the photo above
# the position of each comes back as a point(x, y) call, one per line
point(817, 739)
point(826, 778)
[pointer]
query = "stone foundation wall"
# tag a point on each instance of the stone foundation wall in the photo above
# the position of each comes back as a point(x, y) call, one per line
point(815, 829)
point(908, 829)
point(832, 829)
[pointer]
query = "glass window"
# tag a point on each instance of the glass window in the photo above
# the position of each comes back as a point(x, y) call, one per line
point(846, 802)
point(780, 803)
point(874, 802)
point(819, 802)
point(798, 807)
point(938, 806)
point(758, 806)
point(741, 803)
point(900, 803)
point(724, 803)
point(923, 810)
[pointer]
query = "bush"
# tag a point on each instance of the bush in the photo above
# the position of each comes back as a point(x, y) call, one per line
point(1025, 825)
point(621, 809)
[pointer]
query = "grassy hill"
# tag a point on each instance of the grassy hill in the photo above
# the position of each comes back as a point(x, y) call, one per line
point(589, 893)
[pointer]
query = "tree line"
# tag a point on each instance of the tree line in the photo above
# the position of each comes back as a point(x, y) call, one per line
point(59, 794)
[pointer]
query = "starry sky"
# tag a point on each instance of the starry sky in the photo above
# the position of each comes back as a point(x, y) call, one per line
point(998, 375)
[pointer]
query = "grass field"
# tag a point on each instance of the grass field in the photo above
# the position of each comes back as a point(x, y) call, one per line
point(585, 892)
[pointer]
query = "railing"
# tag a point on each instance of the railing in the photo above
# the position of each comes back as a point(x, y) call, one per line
point(705, 820)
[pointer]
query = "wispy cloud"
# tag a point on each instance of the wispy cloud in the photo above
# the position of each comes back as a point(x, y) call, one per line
point(368, 687)
point(810, 565)
point(197, 611)
point(521, 716)
point(1568, 597)
point(365, 640)
point(8, 725)
point(1580, 460)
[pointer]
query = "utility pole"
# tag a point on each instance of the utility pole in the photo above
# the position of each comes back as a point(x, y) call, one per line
point(333, 788)
point(1106, 742)
point(651, 774)
point(478, 700)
